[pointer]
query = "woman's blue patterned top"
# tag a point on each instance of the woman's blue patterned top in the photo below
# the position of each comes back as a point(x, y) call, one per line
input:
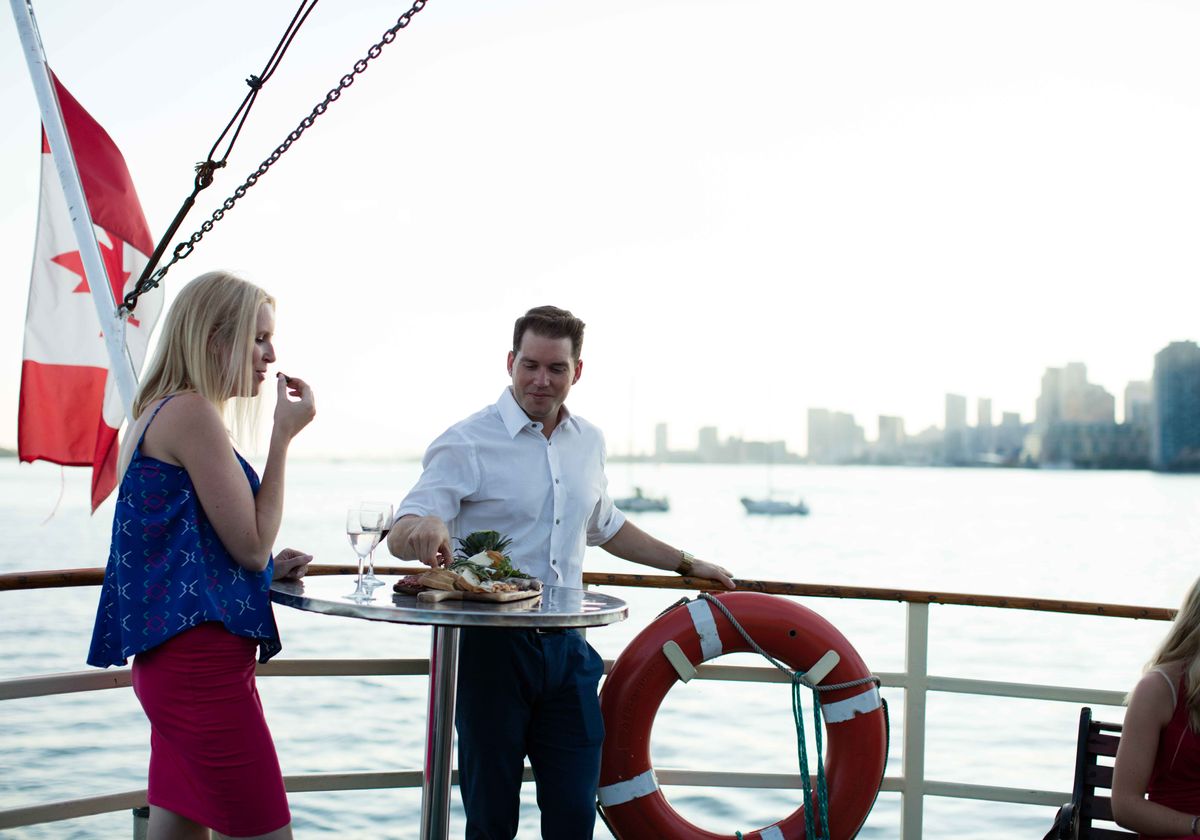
point(168, 571)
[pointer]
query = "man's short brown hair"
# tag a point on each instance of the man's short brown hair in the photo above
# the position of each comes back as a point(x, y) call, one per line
point(550, 322)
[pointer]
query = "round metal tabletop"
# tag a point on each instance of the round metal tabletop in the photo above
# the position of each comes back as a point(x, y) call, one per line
point(557, 606)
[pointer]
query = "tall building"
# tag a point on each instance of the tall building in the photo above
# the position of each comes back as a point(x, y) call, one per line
point(1067, 397)
point(1074, 376)
point(1076, 424)
point(891, 432)
point(956, 412)
point(1010, 436)
point(820, 435)
point(1175, 431)
point(1089, 404)
point(661, 450)
point(1049, 403)
point(834, 437)
point(889, 448)
point(849, 438)
point(981, 440)
point(1139, 404)
point(709, 445)
point(983, 413)
point(954, 440)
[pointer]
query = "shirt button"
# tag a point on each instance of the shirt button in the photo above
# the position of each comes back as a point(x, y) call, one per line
point(555, 521)
point(556, 481)
point(553, 562)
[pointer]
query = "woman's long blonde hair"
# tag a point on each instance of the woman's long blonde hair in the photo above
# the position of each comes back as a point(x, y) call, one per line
point(1182, 645)
point(206, 346)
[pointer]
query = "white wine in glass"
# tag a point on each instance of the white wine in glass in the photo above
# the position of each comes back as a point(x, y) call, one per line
point(362, 540)
point(375, 514)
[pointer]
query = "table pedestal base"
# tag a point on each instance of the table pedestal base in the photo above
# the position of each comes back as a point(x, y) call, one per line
point(439, 733)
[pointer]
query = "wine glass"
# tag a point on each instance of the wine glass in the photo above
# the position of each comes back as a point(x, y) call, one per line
point(375, 513)
point(362, 540)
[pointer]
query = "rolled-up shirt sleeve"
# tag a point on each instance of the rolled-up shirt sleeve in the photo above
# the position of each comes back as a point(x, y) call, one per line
point(450, 474)
point(606, 519)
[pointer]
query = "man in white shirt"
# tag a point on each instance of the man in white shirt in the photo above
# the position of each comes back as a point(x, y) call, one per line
point(530, 469)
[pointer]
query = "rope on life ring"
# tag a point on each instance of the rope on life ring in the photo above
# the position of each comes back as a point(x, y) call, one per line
point(671, 647)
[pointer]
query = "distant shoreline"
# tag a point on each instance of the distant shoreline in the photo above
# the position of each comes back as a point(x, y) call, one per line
point(799, 461)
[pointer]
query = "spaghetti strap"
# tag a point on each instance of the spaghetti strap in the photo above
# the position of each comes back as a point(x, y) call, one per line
point(138, 449)
point(1171, 683)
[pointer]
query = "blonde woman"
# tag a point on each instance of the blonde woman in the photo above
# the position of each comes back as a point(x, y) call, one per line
point(1156, 779)
point(186, 591)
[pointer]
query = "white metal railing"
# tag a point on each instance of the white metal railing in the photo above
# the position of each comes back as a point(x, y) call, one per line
point(915, 681)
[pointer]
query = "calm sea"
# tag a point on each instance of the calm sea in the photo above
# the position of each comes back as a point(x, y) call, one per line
point(1124, 537)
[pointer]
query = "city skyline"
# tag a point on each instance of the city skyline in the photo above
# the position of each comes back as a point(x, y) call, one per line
point(879, 427)
point(822, 217)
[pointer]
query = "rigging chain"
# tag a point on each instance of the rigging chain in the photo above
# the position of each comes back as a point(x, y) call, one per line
point(205, 170)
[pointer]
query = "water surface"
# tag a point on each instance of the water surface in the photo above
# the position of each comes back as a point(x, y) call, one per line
point(1123, 537)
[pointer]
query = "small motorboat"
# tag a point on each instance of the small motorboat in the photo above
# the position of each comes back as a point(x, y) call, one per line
point(641, 503)
point(774, 507)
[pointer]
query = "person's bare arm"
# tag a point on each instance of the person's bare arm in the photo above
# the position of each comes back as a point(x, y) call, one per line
point(1150, 709)
point(191, 433)
point(634, 544)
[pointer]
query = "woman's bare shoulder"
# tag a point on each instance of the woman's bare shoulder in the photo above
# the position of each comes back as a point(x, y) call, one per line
point(1154, 695)
point(1155, 678)
point(186, 408)
point(183, 419)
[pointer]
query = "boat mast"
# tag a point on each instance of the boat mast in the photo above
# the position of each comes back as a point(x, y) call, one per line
point(112, 325)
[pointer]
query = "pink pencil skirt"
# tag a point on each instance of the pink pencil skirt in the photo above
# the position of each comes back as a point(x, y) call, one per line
point(211, 755)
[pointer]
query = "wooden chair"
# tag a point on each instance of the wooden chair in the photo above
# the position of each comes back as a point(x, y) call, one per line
point(1093, 781)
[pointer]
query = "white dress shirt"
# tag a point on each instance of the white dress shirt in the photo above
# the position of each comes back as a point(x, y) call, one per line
point(496, 471)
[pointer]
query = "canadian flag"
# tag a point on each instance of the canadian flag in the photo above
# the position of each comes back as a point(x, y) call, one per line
point(70, 409)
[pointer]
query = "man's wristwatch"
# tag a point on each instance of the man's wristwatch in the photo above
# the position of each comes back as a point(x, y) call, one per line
point(685, 563)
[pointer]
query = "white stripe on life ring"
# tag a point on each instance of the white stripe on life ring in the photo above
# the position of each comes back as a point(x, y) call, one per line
point(706, 629)
point(619, 793)
point(771, 832)
point(859, 704)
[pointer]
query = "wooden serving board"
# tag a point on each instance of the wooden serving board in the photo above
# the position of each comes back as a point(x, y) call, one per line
point(432, 596)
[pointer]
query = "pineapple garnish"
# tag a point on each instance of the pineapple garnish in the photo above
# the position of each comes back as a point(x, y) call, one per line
point(480, 541)
point(481, 554)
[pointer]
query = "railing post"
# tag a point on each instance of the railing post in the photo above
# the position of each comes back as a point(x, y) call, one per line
point(916, 655)
point(141, 822)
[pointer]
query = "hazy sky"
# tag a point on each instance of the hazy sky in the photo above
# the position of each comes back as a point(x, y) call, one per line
point(757, 207)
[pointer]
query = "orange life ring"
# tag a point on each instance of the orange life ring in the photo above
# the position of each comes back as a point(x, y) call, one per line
point(856, 723)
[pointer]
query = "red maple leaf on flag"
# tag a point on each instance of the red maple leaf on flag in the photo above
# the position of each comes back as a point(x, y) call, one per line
point(114, 266)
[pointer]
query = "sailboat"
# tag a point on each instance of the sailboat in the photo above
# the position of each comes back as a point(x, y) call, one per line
point(641, 503)
point(769, 505)
point(774, 507)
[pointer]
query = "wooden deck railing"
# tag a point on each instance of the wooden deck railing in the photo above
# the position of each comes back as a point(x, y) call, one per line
point(915, 681)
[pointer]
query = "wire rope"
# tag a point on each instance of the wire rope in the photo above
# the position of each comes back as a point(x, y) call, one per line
point(152, 277)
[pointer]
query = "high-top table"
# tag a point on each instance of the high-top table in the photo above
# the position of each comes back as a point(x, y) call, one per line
point(557, 607)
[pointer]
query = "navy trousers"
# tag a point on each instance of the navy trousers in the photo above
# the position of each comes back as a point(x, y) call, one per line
point(523, 693)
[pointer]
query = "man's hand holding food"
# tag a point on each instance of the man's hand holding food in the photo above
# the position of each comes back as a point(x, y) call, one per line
point(424, 538)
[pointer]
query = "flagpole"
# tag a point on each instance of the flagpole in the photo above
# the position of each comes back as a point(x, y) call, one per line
point(113, 326)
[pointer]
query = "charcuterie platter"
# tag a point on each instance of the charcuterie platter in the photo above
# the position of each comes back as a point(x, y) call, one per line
point(433, 596)
point(479, 571)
